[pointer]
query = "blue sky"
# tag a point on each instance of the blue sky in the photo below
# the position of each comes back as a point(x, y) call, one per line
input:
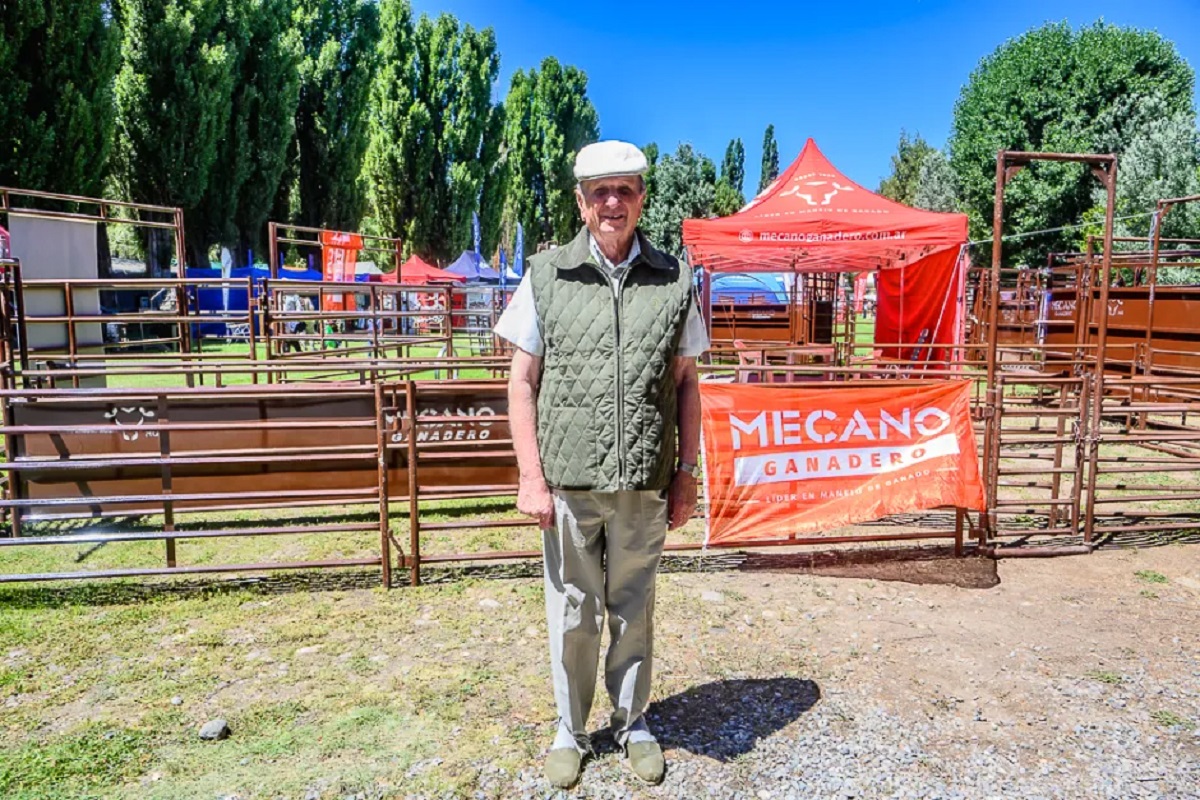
point(849, 74)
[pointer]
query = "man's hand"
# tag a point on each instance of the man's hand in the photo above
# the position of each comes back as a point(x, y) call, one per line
point(534, 500)
point(681, 500)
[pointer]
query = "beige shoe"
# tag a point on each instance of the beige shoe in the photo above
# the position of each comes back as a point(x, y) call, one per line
point(646, 761)
point(562, 767)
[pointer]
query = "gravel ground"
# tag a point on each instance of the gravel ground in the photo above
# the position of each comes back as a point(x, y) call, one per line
point(1069, 679)
point(845, 748)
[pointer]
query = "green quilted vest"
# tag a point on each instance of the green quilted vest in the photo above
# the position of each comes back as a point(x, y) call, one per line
point(606, 407)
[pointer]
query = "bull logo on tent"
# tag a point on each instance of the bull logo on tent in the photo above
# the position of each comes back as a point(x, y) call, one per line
point(746, 236)
point(818, 189)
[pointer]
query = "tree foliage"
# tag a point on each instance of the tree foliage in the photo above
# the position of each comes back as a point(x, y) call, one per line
point(491, 195)
point(1161, 162)
point(548, 117)
point(910, 155)
point(266, 99)
point(173, 100)
point(58, 59)
point(430, 113)
point(733, 166)
point(727, 194)
point(937, 187)
point(338, 39)
point(1056, 90)
point(251, 155)
point(770, 159)
point(684, 188)
point(651, 153)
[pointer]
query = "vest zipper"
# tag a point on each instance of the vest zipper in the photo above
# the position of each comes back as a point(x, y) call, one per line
point(620, 416)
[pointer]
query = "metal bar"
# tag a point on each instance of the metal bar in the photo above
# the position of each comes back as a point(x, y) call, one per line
point(154, 536)
point(164, 450)
point(414, 508)
point(72, 334)
point(368, 494)
point(381, 477)
point(192, 570)
point(1047, 551)
point(254, 425)
point(677, 547)
point(273, 249)
point(19, 308)
point(477, 525)
point(7, 193)
point(959, 515)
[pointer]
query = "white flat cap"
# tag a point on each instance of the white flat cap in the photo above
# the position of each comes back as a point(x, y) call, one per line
point(609, 159)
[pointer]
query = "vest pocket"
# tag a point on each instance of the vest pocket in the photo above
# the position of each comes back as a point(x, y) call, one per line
point(570, 455)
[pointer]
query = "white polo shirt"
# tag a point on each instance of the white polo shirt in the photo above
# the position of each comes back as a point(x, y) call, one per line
point(520, 325)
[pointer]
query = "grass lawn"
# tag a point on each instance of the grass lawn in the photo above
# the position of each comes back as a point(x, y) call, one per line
point(229, 363)
point(330, 684)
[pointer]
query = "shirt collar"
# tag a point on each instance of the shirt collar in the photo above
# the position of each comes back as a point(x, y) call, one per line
point(635, 250)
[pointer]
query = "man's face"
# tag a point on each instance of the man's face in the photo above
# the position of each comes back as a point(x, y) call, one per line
point(610, 207)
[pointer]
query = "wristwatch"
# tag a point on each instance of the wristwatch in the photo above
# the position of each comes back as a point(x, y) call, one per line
point(690, 469)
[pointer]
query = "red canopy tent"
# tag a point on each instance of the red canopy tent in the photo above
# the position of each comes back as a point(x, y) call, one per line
point(815, 219)
point(417, 271)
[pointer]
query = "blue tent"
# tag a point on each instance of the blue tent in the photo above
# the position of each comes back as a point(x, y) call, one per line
point(472, 267)
point(737, 287)
point(211, 299)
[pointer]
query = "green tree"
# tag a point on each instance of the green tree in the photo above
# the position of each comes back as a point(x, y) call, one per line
point(727, 194)
point(1056, 90)
point(491, 195)
point(566, 121)
point(733, 166)
point(901, 185)
point(726, 199)
point(936, 188)
point(770, 159)
point(430, 112)
point(173, 99)
point(684, 188)
point(651, 153)
point(251, 156)
point(338, 40)
point(1159, 163)
point(266, 99)
point(58, 59)
point(548, 117)
point(393, 123)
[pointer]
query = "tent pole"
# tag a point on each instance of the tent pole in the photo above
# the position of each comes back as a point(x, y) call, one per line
point(794, 303)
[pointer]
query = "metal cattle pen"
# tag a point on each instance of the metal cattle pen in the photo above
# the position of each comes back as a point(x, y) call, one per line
point(1088, 435)
point(176, 454)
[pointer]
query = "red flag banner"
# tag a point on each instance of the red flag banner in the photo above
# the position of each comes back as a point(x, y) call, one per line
point(339, 257)
point(860, 291)
point(781, 462)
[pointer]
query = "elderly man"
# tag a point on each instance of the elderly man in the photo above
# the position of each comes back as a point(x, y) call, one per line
point(604, 378)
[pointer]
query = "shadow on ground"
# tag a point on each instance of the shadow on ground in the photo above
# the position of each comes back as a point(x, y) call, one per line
point(926, 565)
point(726, 719)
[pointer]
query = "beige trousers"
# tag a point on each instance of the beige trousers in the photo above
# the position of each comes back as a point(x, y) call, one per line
point(602, 556)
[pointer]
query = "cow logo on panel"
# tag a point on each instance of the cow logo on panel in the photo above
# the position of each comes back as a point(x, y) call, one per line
point(131, 417)
point(746, 236)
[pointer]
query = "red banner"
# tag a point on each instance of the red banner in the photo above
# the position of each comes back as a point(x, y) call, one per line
point(339, 257)
point(860, 291)
point(782, 461)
